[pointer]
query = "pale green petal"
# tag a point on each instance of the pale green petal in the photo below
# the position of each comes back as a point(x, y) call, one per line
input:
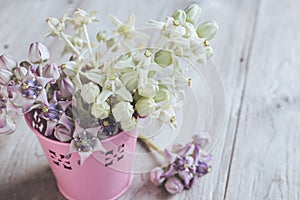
point(125, 94)
point(103, 96)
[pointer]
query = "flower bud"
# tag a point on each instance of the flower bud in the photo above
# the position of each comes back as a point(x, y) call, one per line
point(89, 92)
point(101, 36)
point(150, 89)
point(163, 94)
point(129, 124)
point(101, 110)
point(209, 52)
point(38, 53)
point(174, 185)
point(62, 133)
point(69, 68)
point(207, 29)
point(51, 71)
point(7, 62)
point(201, 139)
point(112, 43)
point(192, 13)
point(145, 106)
point(56, 26)
point(5, 76)
point(66, 88)
point(20, 72)
point(122, 111)
point(155, 176)
point(163, 58)
point(180, 16)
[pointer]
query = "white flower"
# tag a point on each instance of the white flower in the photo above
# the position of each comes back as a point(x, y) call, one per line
point(150, 89)
point(180, 15)
point(192, 13)
point(207, 29)
point(81, 17)
point(163, 58)
point(100, 110)
point(89, 92)
point(56, 26)
point(163, 94)
point(145, 106)
point(122, 111)
point(129, 125)
point(114, 86)
point(38, 53)
point(70, 68)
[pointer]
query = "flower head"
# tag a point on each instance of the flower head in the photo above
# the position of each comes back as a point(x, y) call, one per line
point(185, 163)
point(85, 142)
point(38, 53)
point(7, 62)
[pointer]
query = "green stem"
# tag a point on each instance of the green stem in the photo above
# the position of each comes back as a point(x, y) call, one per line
point(69, 43)
point(150, 144)
point(87, 39)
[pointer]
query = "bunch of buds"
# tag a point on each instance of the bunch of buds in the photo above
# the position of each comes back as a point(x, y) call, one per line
point(185, 164)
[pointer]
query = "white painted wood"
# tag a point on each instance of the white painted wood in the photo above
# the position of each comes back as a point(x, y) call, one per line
point(257, 51)
point(266, 157)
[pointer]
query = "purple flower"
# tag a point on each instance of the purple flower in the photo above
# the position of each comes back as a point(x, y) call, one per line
point(51, 71)
point(174, 185)
point(85, 142)
point(62, 133)
point(156, 176)
point(109, 126)
point(66, 88)
point(185, 163)
point(38, 53)
point(5, 76)
point(20, 72)
point(54, 113)
point(3, 102)
point(31, 89)
point(7, 62)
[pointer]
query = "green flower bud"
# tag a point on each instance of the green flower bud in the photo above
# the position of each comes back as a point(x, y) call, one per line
point(150, 89)
point(101, 110)
point(122, 111)
point(207, 29)
point(180, 16)
point(101, 36)
point(89, 92)
point(129, 124)
point(192, 13)
point(145, 106)
point(209, 52)
point(163, 58)
point(162, 95)
point(110, 43)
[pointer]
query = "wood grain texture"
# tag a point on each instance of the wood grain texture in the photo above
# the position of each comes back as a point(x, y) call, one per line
point(266, 156)
point(257, 54)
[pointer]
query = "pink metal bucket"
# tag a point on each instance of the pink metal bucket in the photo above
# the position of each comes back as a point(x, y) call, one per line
point(102, 176)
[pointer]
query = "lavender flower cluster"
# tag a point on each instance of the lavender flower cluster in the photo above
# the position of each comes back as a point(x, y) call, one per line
point(185, 164)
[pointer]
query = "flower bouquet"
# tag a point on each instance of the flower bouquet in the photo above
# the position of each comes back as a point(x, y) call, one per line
point(85, 110)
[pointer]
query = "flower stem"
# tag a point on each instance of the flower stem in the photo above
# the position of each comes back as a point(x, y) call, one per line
point(69, 43)
point(87, 39)
point(150, 144)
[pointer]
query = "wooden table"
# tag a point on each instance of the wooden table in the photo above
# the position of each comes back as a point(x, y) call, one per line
point(257, 51)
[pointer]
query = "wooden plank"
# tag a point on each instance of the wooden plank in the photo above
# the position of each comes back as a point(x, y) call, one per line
point(266, 158)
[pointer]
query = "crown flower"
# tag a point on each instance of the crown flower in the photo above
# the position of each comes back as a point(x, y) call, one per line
point(109, 82)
